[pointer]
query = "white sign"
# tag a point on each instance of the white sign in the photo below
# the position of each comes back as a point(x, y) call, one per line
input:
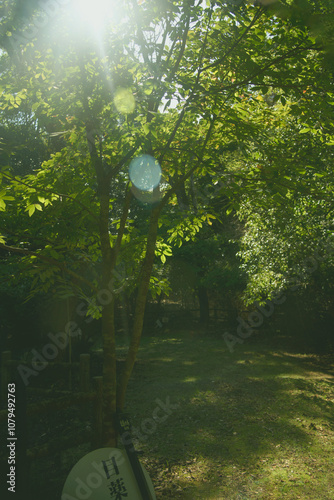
point(103, 474)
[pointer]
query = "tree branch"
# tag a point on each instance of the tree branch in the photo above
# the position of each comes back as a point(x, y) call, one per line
point(49, 260)
point(182, 179)
point(46, 190)
point(183, 46)
point(140, 33)
point(236, 43)
point(248, 80)
point(189, 99)
point(126, 207)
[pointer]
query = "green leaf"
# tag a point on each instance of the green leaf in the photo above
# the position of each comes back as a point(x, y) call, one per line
point(30, 209)
point(54, 254)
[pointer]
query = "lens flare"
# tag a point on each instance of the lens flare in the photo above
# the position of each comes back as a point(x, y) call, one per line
point(124, 101)
point(145, 172)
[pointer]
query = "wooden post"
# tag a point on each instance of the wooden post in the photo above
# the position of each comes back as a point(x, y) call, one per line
point(98, 413)
point(84, 372)
point(6, 357)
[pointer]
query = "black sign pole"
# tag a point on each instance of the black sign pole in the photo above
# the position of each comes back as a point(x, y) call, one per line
point(124, 429)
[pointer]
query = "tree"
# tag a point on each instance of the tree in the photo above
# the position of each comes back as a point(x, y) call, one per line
point(178, 81)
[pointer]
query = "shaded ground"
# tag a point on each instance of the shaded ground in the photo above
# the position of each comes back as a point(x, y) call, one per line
point(254, 424)
point(257, 423)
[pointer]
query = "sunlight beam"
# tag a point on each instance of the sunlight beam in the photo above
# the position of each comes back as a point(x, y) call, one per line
point(94, 14)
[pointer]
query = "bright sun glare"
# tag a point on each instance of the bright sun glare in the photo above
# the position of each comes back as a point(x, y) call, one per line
point(94, 14)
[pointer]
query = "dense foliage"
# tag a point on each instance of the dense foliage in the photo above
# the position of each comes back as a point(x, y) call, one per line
point(233, 99)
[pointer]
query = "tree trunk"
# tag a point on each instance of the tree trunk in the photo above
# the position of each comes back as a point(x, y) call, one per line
point(181, 195)
point(109, 434)
point(109, 376)
point(144, 282)
point(109, 257)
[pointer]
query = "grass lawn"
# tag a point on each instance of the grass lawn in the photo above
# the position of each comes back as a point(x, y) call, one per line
point(254, 424)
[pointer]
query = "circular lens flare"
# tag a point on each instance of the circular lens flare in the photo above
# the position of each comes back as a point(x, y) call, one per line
point(145, 172)
point(124, 101)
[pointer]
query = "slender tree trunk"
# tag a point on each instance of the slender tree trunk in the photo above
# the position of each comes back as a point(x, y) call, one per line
point(180, 191)
point(108, 327)
point(109, 376)
point(109, 257)
point(109, 434)
point(144, 282)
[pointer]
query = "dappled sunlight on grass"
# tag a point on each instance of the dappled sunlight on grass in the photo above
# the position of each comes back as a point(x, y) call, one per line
point(309, 375)
point(165, 360)
point(205, 397)
point(205, 436)
point(252, 425)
